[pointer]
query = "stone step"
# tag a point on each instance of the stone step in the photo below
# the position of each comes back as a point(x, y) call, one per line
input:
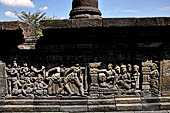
point(127, 100)
point(150, 100)
point(101, 108)
point(19, 102)
point(101, 102)
point(85, 104)
point(129, 107)
point(59, 101)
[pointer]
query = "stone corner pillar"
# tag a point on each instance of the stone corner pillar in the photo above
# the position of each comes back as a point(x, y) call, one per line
point(85, 9)
point(3, 85)
point(93, 88)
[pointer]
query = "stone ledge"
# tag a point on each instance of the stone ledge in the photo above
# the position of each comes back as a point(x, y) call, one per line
point(11, 25)
point(81, 23)
point(105, 23)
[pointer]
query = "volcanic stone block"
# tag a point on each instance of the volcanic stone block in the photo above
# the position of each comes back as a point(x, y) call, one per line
point(127, 100)
point(46, 105)
point(55, 24)
point(3, 84)
point(151, 103)
point(151, 106)
point(151, 111)
point(90, 23)
point(73, 101)
point(18, 102)
point(101, 102)
point(18, 108)
point(164, 99)
point(165, 78)
point(101, 108)
point(46, 108)
point(164, 106)
point(162, 21)
point(114, 22)
point(129, 107)
point(168, 21)
point(1, 104)
point(73, 108)
point(146, 22)
point(150, 100)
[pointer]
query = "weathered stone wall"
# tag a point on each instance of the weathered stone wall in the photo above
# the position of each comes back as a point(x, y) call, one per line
point(89, 46)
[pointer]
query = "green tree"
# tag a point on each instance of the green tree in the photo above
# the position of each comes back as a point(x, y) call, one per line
point(32, 19)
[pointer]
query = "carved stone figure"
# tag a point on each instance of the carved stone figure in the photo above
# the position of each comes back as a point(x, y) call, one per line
point(40, 87)
point(55, 85)
point(154, 77)
point(17, 86)
point(25, 70)
point(74, 75)
point(9, 79)
point(125, 78)
point(28, 88)
point(129, 68)
point(117, 69)
point(35, 71)
point(111, 76)
point(102, 80)
point(135, 77)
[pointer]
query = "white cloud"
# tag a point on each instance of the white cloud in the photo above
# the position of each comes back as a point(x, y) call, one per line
point(128, 11)
point(18, 3)
point(62, 18)
point(44, 8)
point(166, 8)
point(10, 14)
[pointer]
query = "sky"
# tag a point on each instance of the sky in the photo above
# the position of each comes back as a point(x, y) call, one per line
point(109, 8)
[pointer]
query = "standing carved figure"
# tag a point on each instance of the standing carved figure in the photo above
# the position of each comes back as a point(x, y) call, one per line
point(154, 78)
point(136, 77)
point(55, 86)
point(9, 79)
point(75, 77)
point(117, 70)
point(25, 70)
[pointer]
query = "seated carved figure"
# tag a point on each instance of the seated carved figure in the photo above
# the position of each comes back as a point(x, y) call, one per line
point(28, 88)
point(17, 87)
point(102, 81)
point(111, 77)
point(125, 78)
point(40, 87)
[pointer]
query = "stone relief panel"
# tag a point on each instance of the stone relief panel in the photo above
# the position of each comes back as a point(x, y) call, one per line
point(165, 77)
point(94, 79)
point(151, 78)
point(29, 81)
point(123, 79)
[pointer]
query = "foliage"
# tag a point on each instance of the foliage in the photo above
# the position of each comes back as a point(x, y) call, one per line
point(50, 18)
point(32, 19)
